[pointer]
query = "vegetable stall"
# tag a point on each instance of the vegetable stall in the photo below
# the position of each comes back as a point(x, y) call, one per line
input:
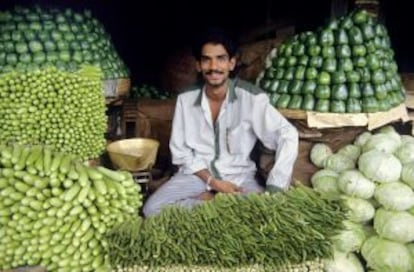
point(62, 212)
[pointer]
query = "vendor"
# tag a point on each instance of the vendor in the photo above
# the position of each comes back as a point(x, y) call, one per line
point(214, 130)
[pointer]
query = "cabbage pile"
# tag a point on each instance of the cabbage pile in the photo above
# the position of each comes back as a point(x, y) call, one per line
point(375, 177)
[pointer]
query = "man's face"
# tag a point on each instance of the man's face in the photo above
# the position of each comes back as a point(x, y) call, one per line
point(215, 64)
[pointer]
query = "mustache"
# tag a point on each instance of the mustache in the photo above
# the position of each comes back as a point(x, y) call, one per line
point(209, 72)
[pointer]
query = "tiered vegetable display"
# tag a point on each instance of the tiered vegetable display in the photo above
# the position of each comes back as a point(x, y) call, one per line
point(281, 232)
point(375, 177)
point(40, 37)
point(346, 67)
point(53, 107)
point(55, 211)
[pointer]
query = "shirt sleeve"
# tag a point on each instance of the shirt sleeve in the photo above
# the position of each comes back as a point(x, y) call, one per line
point(278, 134)
point(182, 154)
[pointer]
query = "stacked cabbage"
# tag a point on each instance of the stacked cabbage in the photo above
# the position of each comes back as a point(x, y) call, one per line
point(375, 175)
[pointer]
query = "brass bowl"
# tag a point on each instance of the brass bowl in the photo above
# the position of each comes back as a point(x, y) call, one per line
point(135, 154)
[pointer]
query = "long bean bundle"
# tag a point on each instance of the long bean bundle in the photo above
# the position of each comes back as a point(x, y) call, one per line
point(232, 231)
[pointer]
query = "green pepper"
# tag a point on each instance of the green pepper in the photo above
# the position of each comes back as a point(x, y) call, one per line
point(281, 51)
point(353, 76)
point(283, 86)
point(384, 105)
point(388, 86)
point(274, 86)
point(338, 77)
point(370, 104)
point(359, 50)
point(378, 43)
point(324, 78)
point(308, 102)
point(300, 72)
point(370, 46)
point(373, 62)
point(323, 91)
point(345, 64)
point(295, 102)
point(280, 72)
point(378, 77)
point(380, 91)
point(385, 42)
point(339, 92)
point(322, 105)
point(360, 17)
point(289, 73)
point(303, 60)
point(288, 50)
point(273, 99)
point(360, 62)
point(265, 84)
point(270, 73)
point(353, 105)
point(333, 24)
point(291, 61)
point(302, 37)
point(295, 86)
point(309, 87)
point(316, 61)
point(368, 32)
point(354, 90)
point(311, 73)
point(338, 106)
point(346, 23)
point(367, 90)
point(365, 74)
point(341, 37)
point(385, 64)
point(393, 67)
point(279, 62)
point(395, 85)
point(355, 36)
point(326, 37)
point(311, 39)
point(380, 30)
point(299, 49)
point(283, 101)
point(329, 65)
point(328, 52)
point(343, 51)
point(314, 50)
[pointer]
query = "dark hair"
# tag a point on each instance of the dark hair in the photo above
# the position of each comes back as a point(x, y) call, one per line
point(214, 35)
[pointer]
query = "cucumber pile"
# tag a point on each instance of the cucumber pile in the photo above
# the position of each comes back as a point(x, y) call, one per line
point(346, 67)
point(37, 37)
point(148, 91)
point(55, 211)
point(53, 107)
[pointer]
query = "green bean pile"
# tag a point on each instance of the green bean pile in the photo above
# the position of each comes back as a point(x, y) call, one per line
point(232, 231)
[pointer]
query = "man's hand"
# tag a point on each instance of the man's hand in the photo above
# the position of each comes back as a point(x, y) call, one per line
point(224, 186)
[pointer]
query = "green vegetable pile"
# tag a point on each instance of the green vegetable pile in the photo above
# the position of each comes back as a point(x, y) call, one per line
point(32, 38)
point(55, 211)
point(375, 177)
point(57, 108)
point(232, 231)
point(346, 67)
point(148, 91)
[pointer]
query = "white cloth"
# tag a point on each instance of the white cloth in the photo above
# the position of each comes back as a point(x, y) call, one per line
point(224, 148)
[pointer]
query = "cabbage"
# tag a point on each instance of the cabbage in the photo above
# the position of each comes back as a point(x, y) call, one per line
point(339, 163)
point(324, 172)
point(350, 239)
point(395, 196)
point(342, 262)
point(359, 210)
point(379, 166)
point(351, 151)
point(319, 153)
point(405, 139)
point(385, 255)
point(407, 174)
point(353, 183)
point(326, 185)
point(362, 138)
point(405, 153)
point(395, 226)
point(385, 142)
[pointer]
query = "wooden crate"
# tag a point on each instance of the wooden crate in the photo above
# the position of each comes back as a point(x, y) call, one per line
point(114, 88)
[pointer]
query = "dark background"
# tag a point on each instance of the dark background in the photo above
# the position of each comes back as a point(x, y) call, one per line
point(145, 33)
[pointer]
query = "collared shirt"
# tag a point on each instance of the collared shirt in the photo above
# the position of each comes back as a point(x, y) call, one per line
point(224, 147)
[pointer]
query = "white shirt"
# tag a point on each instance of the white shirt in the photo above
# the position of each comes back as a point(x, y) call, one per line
point(224, 147)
